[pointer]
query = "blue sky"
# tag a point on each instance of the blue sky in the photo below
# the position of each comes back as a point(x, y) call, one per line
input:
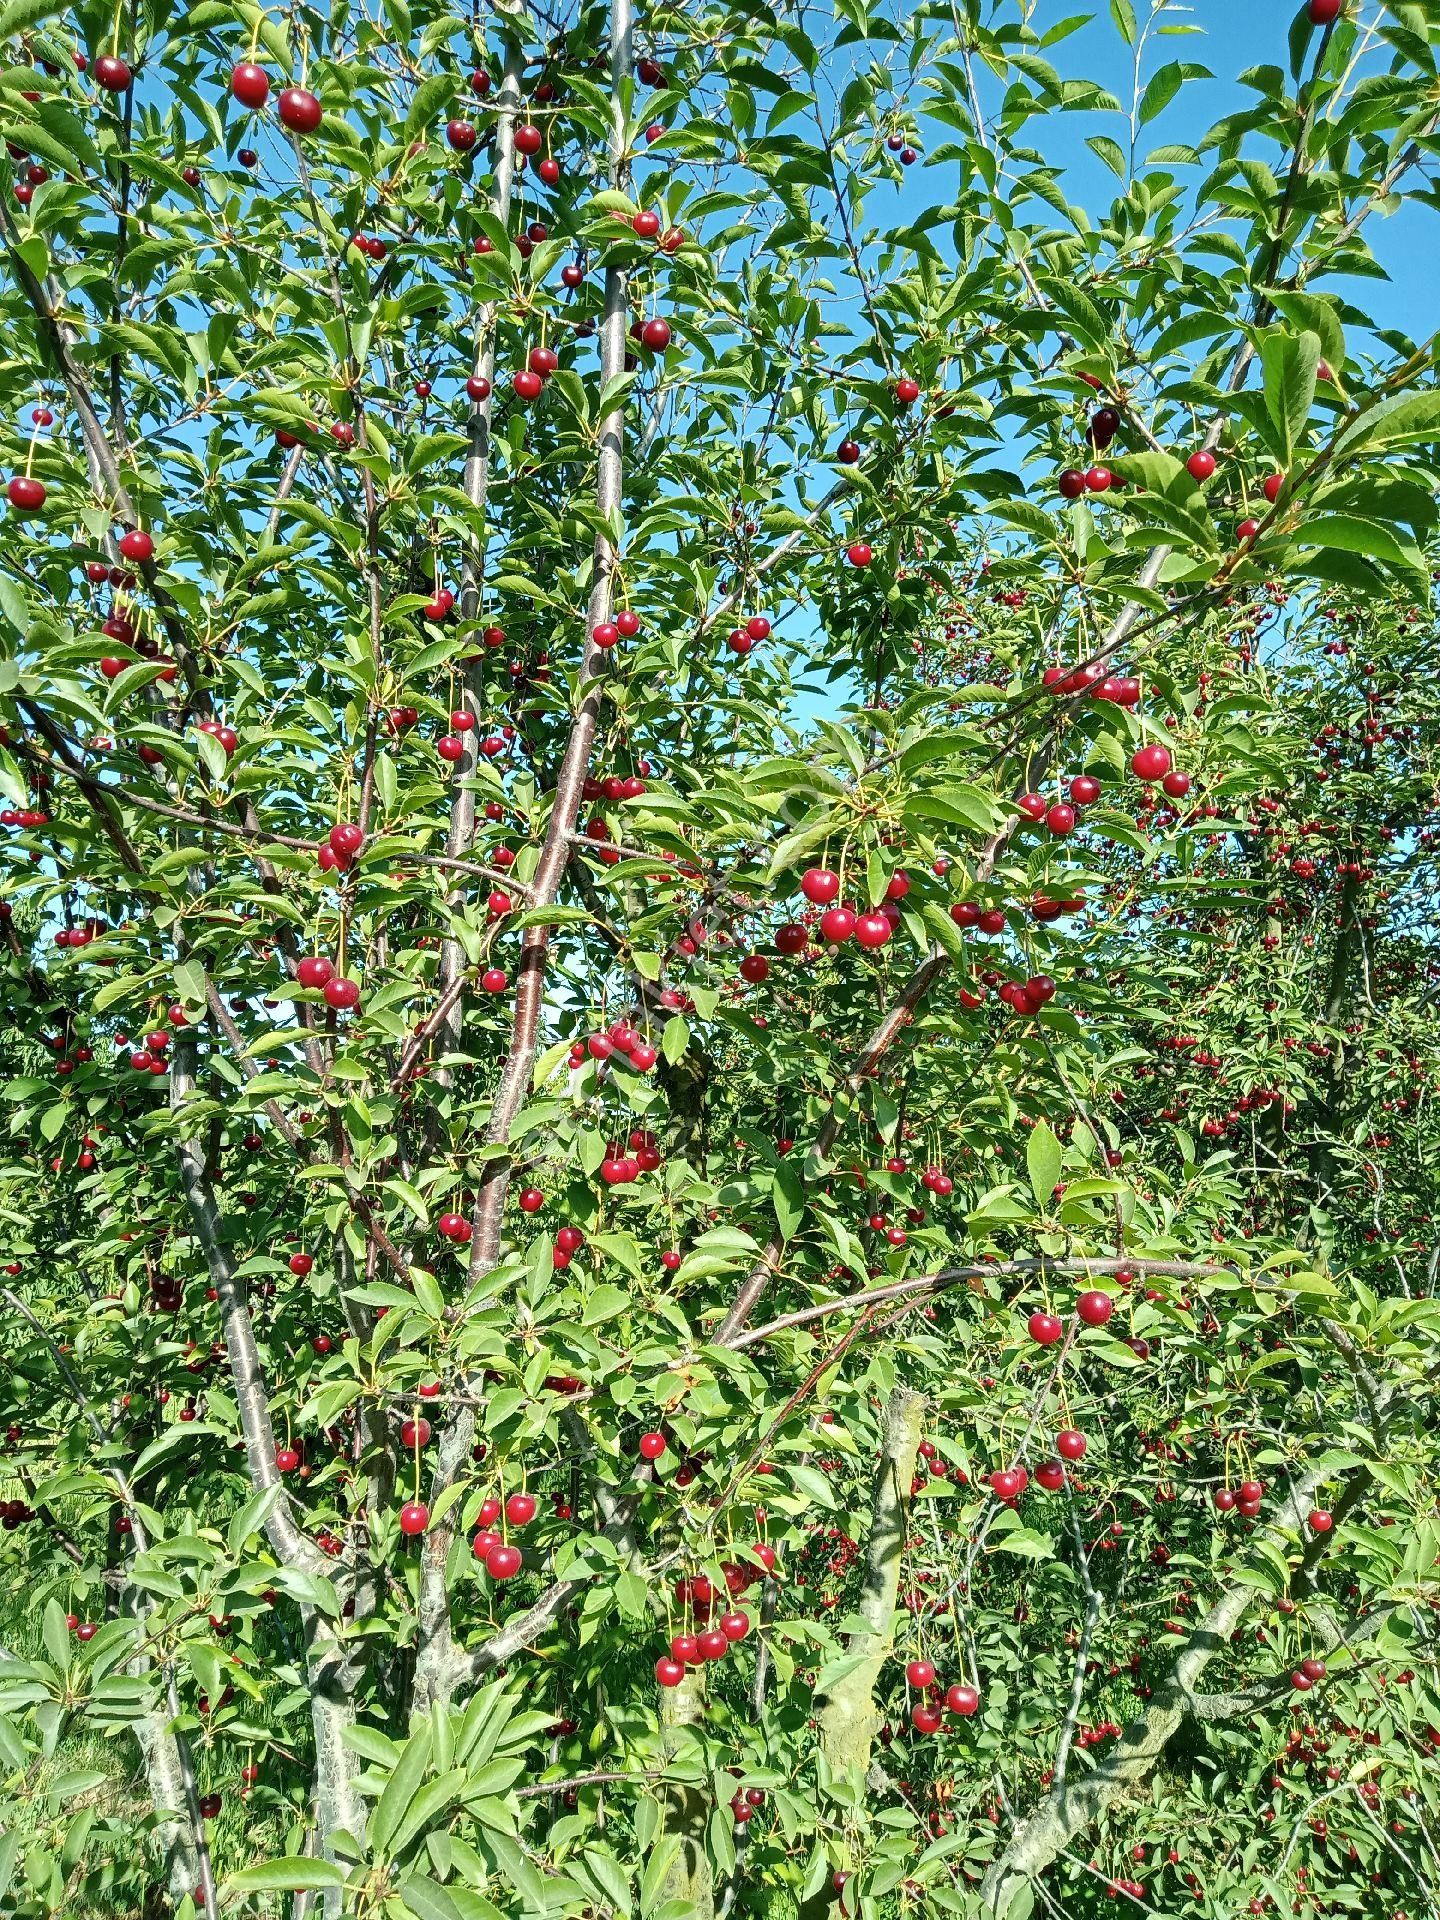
point(1234, 35)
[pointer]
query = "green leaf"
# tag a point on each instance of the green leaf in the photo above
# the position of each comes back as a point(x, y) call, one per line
point(400, 1790)
point(291, 1875)
point(1291, 363)
point(789, 1197)
point(1044, 1157)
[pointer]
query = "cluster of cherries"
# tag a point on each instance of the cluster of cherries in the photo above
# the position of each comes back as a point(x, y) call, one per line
point(500, 1558)
point(316, 971)
point(928, 1713)
point(621, 1038)
point(337, 852)
point(710, 1643)
point(745, 639)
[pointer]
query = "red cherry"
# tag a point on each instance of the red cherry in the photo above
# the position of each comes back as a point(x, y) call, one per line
point(527, 385)
point(655, 334)
point(1177, 785)
point(820, 886)
point(342, 994)
point(926, 1719)
point(859, 554)
point(112, 73)
point(907, 391)
point(25, 493)
point(920, 1674)
point(1094, 1308)
point(1071, 484)
point(714, 1643)
point(346, 839)
point(461, 134)
point(414, 1517)
point(1084, 790)
point(1050, 1475)
point(652, 1445)
point(1321, 1521)
point(478, 387)
point(837, 924)
point(735, 1625)
point(1324, 13)
point(1046, 1328)
point(250, 84)
point(1060, 819)
point(669, 1672)
point(314, 971)
point(287, 1459)
point(1150, 763)
point(520, 1509)
point(503, 1562)
point(299, 110)
point(1070, 1444)
point(528, 139)
point(1201, 464)
point(414, 1433)
point(962, 1699)
point(301, 1264)
point(1273, 485)
point(872, 929)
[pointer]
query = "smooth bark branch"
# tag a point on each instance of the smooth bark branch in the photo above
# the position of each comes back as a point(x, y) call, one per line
point(463, 812)
point(923, 1286)
point(252, 1400)
point(436, 1663)
point(848, 1715)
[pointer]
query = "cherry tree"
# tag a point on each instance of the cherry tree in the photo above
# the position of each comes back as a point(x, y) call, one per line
point(719, 841)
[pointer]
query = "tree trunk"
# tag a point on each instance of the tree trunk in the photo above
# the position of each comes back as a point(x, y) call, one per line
point(686, 1811)
point(849, 1717)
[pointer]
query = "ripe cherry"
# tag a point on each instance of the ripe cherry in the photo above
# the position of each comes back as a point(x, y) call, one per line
point(859, 554)
point(920, 1674)
point(1070, 1444)
point(462, 135)
point(1045, 1328)
point(314, 971)
point(112, 73)
point(1324, 13)
point(342, 994)
point(651, 1446)
point(527, 385)
point(962, 1699)
point(1201, 464)
point(528, 139)
point(1150, 763)
point(414, 1517)
point(872, 929)
point(478, 387)
point(520, 1509)
point(503, 1561)
point(669, 1672)
point(1094, 1308)
point(299, 110)
point(301, 1264)
point(250, 84)
point(820, 886)
point(25, 493)
point(1321, 1521)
